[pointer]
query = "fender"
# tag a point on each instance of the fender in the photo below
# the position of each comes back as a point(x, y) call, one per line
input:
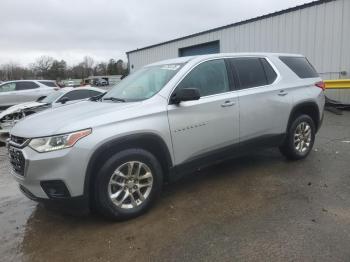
point(148, 141)
point(309, 107)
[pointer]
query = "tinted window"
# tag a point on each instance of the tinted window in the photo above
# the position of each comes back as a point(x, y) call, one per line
point(94, 93)
point(48, 83)
point(270, 73)
point(78, 94)
point(300, 66)
point(250, 72)
point(8, 87)
point(209, 77)
point(26, 85)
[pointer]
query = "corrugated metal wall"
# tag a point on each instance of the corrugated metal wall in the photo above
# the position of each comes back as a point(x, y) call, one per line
point(321, 32)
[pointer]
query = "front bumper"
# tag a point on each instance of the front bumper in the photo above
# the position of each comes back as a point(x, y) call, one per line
point(75, 205)
point(40, 170)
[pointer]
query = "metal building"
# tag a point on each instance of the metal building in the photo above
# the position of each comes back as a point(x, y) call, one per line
point(320, 30)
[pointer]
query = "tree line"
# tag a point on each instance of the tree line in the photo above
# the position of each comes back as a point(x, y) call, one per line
point(46, 67)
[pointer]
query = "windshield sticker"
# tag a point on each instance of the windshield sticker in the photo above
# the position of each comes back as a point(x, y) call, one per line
point(170, 67)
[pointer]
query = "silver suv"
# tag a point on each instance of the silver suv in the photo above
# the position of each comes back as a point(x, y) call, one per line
point(115, 151)
point(20, 91)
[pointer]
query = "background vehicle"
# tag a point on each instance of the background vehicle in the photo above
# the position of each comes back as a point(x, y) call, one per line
point(15, 92)
point(165, 120)
point(64, 96)
point(70, 83)
point(101, 82)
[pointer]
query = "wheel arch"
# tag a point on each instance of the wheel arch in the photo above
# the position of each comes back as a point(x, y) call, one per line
point(148, 141)
point(307, 107)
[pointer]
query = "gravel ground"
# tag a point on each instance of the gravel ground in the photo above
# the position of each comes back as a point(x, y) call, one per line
point(258, 207)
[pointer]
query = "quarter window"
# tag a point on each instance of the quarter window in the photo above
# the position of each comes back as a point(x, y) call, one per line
point(209, 77)
point(300, 66)
point(48, 83)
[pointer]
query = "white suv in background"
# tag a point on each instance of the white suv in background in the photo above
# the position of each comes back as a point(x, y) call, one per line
point(20, 91)
point(167, 119)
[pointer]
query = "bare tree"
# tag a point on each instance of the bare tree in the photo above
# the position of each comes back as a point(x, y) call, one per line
point(88, 63)
point(42, 66)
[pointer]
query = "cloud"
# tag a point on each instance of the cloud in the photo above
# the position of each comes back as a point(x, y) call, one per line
point(71, 29)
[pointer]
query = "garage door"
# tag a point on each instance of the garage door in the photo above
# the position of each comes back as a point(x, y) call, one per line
point(202, 49)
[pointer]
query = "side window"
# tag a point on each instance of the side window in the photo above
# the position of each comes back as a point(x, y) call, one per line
point(94, 93)
point(48, 83)
point(250, 72)
point(26, 85)
point(7, 87)
point(270, 73)
point(209, 77)
point(300, 66)
point(77, 94)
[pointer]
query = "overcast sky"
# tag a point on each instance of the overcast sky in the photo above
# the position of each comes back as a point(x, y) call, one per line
point(103, 29)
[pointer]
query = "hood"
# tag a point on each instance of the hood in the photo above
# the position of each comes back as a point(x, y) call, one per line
point(70, 118)
point(14, 109)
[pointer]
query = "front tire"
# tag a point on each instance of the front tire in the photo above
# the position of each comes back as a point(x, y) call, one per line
point(128, 184)
point(300, 138)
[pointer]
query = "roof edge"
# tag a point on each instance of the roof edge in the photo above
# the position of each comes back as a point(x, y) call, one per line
point(283, 11)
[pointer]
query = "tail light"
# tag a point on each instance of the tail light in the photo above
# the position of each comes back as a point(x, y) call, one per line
point(321, 85)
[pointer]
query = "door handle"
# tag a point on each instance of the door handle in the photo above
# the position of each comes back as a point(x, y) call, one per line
point(282, 93)
point(228, 103)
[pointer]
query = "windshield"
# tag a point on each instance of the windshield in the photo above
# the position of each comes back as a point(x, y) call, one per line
point(51, 97)
point(144, 83)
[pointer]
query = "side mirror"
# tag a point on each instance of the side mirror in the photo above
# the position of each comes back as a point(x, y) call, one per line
point(185, 94)
point(64, 100)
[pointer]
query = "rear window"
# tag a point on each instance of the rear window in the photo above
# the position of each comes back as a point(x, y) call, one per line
point(300, 66)
point(48, 83)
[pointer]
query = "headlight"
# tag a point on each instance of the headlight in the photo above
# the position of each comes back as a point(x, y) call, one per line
point(52, 143)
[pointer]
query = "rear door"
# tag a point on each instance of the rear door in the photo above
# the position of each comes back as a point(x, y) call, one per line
point(210, 124)
point(264, 107)
point(26, 91)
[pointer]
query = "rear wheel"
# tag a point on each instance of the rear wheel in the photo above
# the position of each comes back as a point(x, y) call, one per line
point(300, 138)
point(128, 184)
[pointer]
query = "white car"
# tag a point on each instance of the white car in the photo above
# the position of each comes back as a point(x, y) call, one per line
point(64, 96)
point(70, 83)
point(20, 91)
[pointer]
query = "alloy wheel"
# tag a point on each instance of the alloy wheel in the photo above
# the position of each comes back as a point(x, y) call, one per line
point(302, 137)
point(130, 184)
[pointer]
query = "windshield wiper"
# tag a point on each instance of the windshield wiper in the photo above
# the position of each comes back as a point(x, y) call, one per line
point(115, 99)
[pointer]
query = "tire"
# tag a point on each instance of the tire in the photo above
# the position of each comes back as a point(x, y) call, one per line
point(301, 147)
point(115, 181)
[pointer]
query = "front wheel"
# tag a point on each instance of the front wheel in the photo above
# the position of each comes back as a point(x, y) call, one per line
point(300, 138)
point(128, 184)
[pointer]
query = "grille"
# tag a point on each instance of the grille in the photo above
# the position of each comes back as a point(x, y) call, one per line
point(17, 161)
point(18, 140)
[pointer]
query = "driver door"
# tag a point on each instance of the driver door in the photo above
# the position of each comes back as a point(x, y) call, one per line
point(209, 125)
